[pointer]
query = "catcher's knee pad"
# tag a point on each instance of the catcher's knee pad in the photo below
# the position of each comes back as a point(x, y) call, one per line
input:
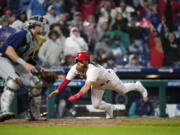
point(36, 86)
point(13, 82)
point(35, 82)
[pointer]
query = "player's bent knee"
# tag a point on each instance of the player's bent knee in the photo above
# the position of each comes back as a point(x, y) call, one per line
point(13, 82)
point(35, 82)
point(36, 86)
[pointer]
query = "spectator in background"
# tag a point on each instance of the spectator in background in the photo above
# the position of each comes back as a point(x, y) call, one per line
point(141, 108)
point(57, 28)
point(104, 44)
point(37, 7)
point(88, 8)
point(110, 62)
point(77, 19)
point(8, 12)
point(90, 30)
point(63, 24)
point(58, 4)
point(3, 6)
point(133, 61)
point(125, 10)
point(118, 50)
point(153, 15)
point(6, 30)
point(63, 106)
point(51, 15)
point(51, 52)
point(102, 28)
point(120, 23)
point(101, 56)
point(171, 46)
point(134, 30)
point(156, 50)
point(104, 10)
point(68, 61)
point(25, 4)
point(82, 32)
point(70, 6)
point(135, 47)
point(74, 43)
point(169, 9)
point(18, 24)
point(15, 6)
point(143, 9)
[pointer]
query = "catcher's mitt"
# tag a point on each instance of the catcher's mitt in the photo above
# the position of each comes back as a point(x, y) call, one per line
point(48, 77)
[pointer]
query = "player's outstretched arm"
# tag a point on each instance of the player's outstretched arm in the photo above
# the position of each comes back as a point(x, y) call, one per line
point(83, 90)
point(53, 93)
point(62, 85)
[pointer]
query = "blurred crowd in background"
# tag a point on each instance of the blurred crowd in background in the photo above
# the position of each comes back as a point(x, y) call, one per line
point(128, 33)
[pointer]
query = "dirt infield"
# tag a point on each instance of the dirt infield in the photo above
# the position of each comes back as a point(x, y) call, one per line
point(84, 122)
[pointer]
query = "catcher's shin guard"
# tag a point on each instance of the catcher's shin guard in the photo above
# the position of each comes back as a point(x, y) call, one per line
point(6, 100)
point(35, 98)
point(34, 106)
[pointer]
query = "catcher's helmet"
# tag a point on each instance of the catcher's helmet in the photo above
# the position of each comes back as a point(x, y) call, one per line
point(83, 56)
point(36, 20)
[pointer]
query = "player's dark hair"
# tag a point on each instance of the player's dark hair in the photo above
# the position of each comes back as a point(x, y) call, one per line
point(94, 63)
point(90, 62)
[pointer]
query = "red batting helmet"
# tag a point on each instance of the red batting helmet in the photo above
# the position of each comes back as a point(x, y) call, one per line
point(83, 56)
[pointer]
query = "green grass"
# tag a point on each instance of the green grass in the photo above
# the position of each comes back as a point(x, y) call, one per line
point(129, 128)
point(152, 124)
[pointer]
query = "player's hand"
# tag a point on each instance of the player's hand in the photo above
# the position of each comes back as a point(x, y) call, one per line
point(73, 98)
point(76, 96)
point(29, 67)
point(53, 93)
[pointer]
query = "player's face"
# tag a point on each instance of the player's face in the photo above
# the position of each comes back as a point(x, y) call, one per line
point(83, 63)
point(37, 30)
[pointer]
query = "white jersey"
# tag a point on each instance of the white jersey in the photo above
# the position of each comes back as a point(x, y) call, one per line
point(97, 74)
point(104, 79)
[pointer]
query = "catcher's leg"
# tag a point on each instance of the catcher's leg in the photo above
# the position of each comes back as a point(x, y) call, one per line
point(34, 94)
point(96, 99)
point(35, 98)
point(11, 86)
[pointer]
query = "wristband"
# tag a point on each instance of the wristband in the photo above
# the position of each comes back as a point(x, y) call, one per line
point(79, 94)
point(20, 61)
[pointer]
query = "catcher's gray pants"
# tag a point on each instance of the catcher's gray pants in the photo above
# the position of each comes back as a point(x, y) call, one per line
point(7, 69)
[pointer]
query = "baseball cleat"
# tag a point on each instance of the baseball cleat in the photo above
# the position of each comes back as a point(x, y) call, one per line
point(6, 116)
point(142, 89)
point(109, 112)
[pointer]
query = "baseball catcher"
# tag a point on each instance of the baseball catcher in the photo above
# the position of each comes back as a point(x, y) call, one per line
point(17, 71)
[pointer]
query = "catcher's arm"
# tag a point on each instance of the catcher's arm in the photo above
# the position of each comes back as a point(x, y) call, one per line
point(83, 90)
point(62, 85)
point(10, 52)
